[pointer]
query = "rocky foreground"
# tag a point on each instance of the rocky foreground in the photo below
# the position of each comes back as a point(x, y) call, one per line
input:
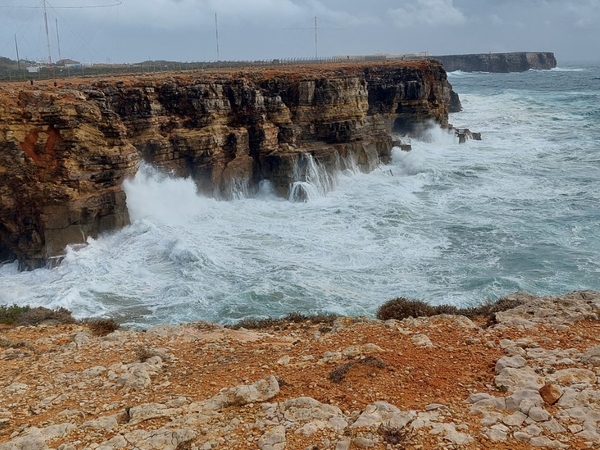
point(531, 379)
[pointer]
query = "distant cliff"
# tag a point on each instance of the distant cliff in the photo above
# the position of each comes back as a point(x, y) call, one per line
point(498, 62)
point(65, 151)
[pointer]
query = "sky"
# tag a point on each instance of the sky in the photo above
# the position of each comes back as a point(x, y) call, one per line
point(100, 31)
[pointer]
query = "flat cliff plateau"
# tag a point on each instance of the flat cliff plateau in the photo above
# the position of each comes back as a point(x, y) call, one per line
point(65, 149)
point(498, 62)
point(530, 378)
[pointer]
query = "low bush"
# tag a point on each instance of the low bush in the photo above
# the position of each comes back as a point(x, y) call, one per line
point(28, 316)
point(251, 323)
point(10, 314)
point(101, 326)
point(401, 308)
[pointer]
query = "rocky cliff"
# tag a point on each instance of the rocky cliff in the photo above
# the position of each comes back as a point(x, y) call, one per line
point(65, 150)
point(499, 62)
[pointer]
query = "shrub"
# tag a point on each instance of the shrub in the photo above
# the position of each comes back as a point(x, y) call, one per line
point(401, 308)
point(9, 314)
point(102, 326)
point(143, 353)
point(252, 323)
point(28, 316)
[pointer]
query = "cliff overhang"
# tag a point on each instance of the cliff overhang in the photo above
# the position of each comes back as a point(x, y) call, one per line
point(65, 150)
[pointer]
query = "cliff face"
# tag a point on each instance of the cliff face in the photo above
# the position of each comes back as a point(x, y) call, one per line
point(499, 62)
point(65, 151)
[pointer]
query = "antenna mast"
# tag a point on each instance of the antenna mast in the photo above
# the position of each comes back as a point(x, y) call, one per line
point(217, 35)
point(316, 39)
point(47, 37)
point(58, 41)
point(18, 59)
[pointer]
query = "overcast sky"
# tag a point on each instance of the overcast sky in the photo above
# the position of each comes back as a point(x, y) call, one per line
point(184, 30)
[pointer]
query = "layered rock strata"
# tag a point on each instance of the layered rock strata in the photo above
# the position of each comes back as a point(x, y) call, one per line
point(498, 62)
point(65, 151)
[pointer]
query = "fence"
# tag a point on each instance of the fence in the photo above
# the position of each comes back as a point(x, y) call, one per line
point(148, 67)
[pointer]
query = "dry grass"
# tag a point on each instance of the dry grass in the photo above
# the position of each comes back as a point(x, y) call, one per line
point(251, 323)
point(143, 353)
point(337, 375)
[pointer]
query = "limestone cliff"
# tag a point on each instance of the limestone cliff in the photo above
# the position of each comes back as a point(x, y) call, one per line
point(65, 151)
point(499, 62)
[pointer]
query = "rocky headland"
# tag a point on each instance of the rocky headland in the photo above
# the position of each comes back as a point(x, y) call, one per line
point(65, 149)
point(528, 377)
point(499, 62)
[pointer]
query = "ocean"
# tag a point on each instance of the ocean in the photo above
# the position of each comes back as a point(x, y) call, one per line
point(444, 223)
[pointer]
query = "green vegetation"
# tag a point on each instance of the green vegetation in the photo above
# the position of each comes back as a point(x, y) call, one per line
point(10, 314)
point(402, 308)
point(28, 316)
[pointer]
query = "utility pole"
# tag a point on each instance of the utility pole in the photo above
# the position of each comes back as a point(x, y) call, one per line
point(58, 41)
point(217, 36)
point(316, 39)
point(18, 59)
point(48, 39)
point(315, 28)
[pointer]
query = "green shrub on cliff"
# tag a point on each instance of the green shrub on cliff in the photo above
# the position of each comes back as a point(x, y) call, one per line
point(26, 315)
point(401, 308)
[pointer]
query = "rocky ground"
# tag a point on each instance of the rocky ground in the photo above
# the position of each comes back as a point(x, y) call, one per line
point(529, 380)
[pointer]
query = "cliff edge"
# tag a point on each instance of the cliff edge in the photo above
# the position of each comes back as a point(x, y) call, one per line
point(498, 62)
point(65, 150)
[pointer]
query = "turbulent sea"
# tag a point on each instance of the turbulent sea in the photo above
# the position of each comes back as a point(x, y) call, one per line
point(445, 223)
